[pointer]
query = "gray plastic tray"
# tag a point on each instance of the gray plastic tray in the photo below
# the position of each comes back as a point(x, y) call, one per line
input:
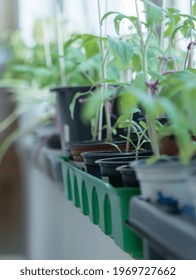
point(165, 235)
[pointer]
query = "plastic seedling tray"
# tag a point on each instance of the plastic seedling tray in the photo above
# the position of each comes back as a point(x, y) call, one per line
point(167, 235)
point(54, 164)
point(106, 206)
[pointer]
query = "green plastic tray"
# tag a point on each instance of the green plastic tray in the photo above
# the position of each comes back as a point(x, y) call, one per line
point(106, 206)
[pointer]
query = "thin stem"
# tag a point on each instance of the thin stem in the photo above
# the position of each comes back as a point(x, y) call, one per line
point(190, 48)
point(191, 53)
point(128, 134)
point(46, 44)
point(100, 122)
point(186, 58)
point(151, 129)
point(108, 121)
point(104, 87)
point(106, 56)
point(101, 41)
point(162, 45)
point(60, 46)
point(95, 126)
point(106, 8)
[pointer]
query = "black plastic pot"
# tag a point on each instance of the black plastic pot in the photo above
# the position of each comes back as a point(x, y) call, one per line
point(54, 142)
point(71, 130)
point(108, 167)
point(90, 158)
point(129, 178)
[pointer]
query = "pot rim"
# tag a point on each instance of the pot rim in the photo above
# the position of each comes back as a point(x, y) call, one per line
point(62, 88)
point(95, 143)
point(94, 154)
point(173, 161)
point(116, 160)
point(124, 168)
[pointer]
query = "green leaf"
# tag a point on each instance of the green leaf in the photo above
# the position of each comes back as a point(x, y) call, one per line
point(91, 44)
point(122, 51)
point(173, 11)
point(139, 82)
point(194, 9)
point(168, 30)
point(114, 145)
point(72, 40)
point(154, 13)
point(74, 100)
point(136, 62)
point(175, 32)
point(91, 107)
point(119, 17)
point(126, 102)
point(108, 14)
point(143, 124)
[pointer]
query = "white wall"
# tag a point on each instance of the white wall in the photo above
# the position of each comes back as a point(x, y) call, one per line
point(29, 11)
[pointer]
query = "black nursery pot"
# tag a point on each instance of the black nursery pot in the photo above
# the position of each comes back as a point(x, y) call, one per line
point(129, 177)
point(109, 171)
point(90, 158)
point(71, 130)
point(54, 142)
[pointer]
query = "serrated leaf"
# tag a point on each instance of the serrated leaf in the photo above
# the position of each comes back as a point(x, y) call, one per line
point(154, 13)
point(119, 17)
point(90, 44)
point(175, 32)
point(122, 51)
point(136, 62)
point(168, 30)
point(126, 102)
point(108, 14)
point(173, 11)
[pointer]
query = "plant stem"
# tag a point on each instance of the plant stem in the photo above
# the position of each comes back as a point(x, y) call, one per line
point(125, 79)
point(188, 55)
point(95, 126)
point(60, 46)
point(151, 129)
point(162, 45)
point(104, 86)
point(46, 44)
point(191, 53)
point(128, 134)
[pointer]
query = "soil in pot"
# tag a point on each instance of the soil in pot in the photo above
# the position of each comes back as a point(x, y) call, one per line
point(108, 167)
